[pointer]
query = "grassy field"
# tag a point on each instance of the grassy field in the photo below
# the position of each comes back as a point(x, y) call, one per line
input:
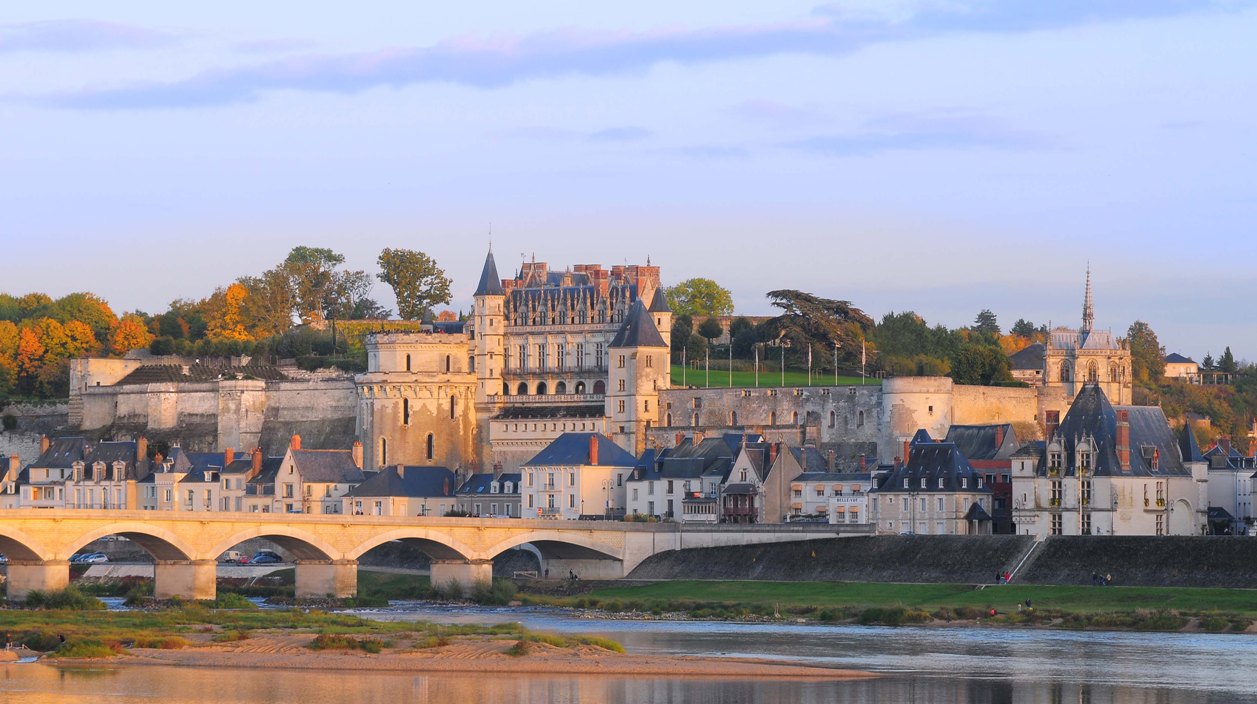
point(1069, 599)
point(768, 376)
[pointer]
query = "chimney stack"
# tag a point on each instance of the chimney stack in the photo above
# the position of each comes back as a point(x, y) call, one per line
point(593, 449)
point(773, 448)
point(907, 449)
point(1123, 440)
point(999, 437)
point(229, 456)
point(15, 467)
point(357, 453)
point(680, 437)
point(1052, 423)
point(295, 443)
point(698, 436)
point(401, 471)
point(141, 449)
point(445, 487)
point(255, 462)
point(830, 458)
point(43, 444)
point(497, 469)
point(864, 462)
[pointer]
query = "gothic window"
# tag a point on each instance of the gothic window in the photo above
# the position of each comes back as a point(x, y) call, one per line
point(1066, 376)
point(383, 452)
point(448, 363)
point(794, 418)
point(431, 445)
point(405, 411)
point(669, 419)
point(772, 418)
point(859, 423)
point(1093, 373)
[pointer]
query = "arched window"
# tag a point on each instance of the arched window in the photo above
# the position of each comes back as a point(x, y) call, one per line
point(407, 362)
point(541, 388)
point(383, 452)
point(1093, 373)
point(599, 387)
point(1066, 376)
point(580, 387)
point(431, 445)
point(733, 418)
point(695, 420)
point(669, 417)
point(560, 388)
point(772, 418)
point(451, 406)
point(405, 411)
point(506, 389)
point(523, 389)
point(859, 420)
point(833, 419)
point(794, 418)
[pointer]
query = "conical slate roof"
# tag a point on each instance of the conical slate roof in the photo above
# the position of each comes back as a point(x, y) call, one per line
point(638, 329)
point(659, 304)
point(490, 283)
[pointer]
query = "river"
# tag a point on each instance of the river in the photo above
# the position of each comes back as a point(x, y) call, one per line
point(976, 665)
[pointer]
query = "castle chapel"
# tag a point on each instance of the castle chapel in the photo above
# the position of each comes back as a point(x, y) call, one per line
point(546, 352)
point(1073, 357)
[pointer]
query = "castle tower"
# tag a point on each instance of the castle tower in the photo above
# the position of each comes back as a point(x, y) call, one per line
point(662, 315)
point(489, 323)
point(638, 370)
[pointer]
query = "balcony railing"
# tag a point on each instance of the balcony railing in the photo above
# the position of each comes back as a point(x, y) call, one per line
point(551, 399)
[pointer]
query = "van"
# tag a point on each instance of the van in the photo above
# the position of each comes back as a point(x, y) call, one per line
point(234, 557)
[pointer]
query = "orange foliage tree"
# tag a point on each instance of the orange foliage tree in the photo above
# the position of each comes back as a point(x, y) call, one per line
point(130, 334)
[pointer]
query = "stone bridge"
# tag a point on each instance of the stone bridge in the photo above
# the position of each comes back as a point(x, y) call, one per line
point(326, 548)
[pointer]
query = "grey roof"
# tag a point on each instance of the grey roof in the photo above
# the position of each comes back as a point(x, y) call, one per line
point(62, 452)
point(110, 452)
point(1176, 358)
point(739, 490)
point(659, 303)
point(932, 461)
point(638, 330)
point(1188, 447)
point(979, 442)
point(711, 457)
point(864, 477)
point(1028, 358)
point(977, 513)
point(327, 466)
point(481, 484)
point(414, 482)
point(810, 459)
point(571, 449)
point(490, 283)
point(1091, 415)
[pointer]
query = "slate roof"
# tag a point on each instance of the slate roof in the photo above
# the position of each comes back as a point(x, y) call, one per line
point(326, 466)
point(1188, 447)
point(413, 482)
point(638, 330)
point(481, 484)
point(977, 513)
point(1091, 415)
point(490, 283)
point(977, 442)
point(1223, 455)
point(207, 370)
point(659, 303)
point(572, 449)
point(711, 457)
point(1176, 358)
point(62, 452)
point(932, 461)
point(109, 452)
point(1029, 358)
point(810, 459)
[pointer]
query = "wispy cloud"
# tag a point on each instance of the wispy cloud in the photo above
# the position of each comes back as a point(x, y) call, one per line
point(502, 61)
point(620, 134)
point(919, 131)
point(79, 35)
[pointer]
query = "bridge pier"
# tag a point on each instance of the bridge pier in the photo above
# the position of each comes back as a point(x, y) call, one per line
point(321, 578)
point(25, 577)
point(585, 569)
point(185, 579)
point(465, 572)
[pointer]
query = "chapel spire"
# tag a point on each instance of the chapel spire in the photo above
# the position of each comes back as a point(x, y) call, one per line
point(1088, 310)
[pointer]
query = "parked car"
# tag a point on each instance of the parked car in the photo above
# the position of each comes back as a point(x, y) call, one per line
point(95, 557)
point(4, 559)
point(265, 557)
point(234, 557)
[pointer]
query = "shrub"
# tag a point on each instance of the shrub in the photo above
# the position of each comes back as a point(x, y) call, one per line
point(499, 592)
point(1214, 623)
point(336, 641)
point(892, 616)
point(432, 641)
point(231, 601)
point(86, 649)
point(10, 422)
point(69, 599)
point(522, 647)
point(451, 590)
point(231, 636)
point(42, 641)
point(160, 643)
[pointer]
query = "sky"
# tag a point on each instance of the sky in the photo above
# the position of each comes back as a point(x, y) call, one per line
point(941, 156)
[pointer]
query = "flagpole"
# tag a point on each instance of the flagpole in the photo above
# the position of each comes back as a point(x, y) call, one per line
point(756, 365)
point(863, 361)
point(683, 365)
point(731, 355)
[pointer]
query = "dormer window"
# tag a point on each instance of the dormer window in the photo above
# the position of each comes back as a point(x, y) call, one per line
point(923, 480)
point(979, 482)
point(1084, 460)
point(1055, 460)
point(964, 482)
point(493, 488)
point(905, 482)
point(940, 482)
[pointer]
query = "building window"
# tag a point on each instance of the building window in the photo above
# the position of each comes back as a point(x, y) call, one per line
point(1066, 377)
point(383, 452)
point(405, 411)
point(859, 422)
point(431, 445)
point(833, 417)
point(620, 407)
point(1085, 524)
point(650, 361)
point(1056, 493)
point(940, 504)
point(1056, 524)
point(619, 362)
point(1086, 493)
point(733, 417)
point(621, 386)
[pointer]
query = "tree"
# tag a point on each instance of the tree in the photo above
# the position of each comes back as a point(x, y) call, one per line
point(682, 328)
point(417, 282)
point(8, 356)
point(268, 308)
point(1025, 328)
point(87, 308)
point(699, 297)
point(80, 339)
point(131, 334)
point(1147, 357)
point(310, 271)
point(986, 323)
point(29, 360)
point(743, 337)
point(1226, 363)
point(1207, 364)
point(980, 363)
point(224, 314)
point(820, 323)
point(349, 297)
point(710, 329)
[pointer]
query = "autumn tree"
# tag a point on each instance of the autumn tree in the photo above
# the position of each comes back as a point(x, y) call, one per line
point(268, 307)
point(1147, 357)
point(224, 314)
point(417, 282)
point(8, 357)
point(130, 334)
point(87, 308)
point(29, 361)
point(699, 297)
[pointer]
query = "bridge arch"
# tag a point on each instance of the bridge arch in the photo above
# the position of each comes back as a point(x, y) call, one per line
point(434, 543)
point(553, 544)
point(17, 545)
point(302, 545)
point(162, 544)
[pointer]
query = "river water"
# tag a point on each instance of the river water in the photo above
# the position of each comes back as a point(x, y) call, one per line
point(974, 665)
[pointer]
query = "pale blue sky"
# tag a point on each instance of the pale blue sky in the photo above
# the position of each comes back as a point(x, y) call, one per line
point(935, 155)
